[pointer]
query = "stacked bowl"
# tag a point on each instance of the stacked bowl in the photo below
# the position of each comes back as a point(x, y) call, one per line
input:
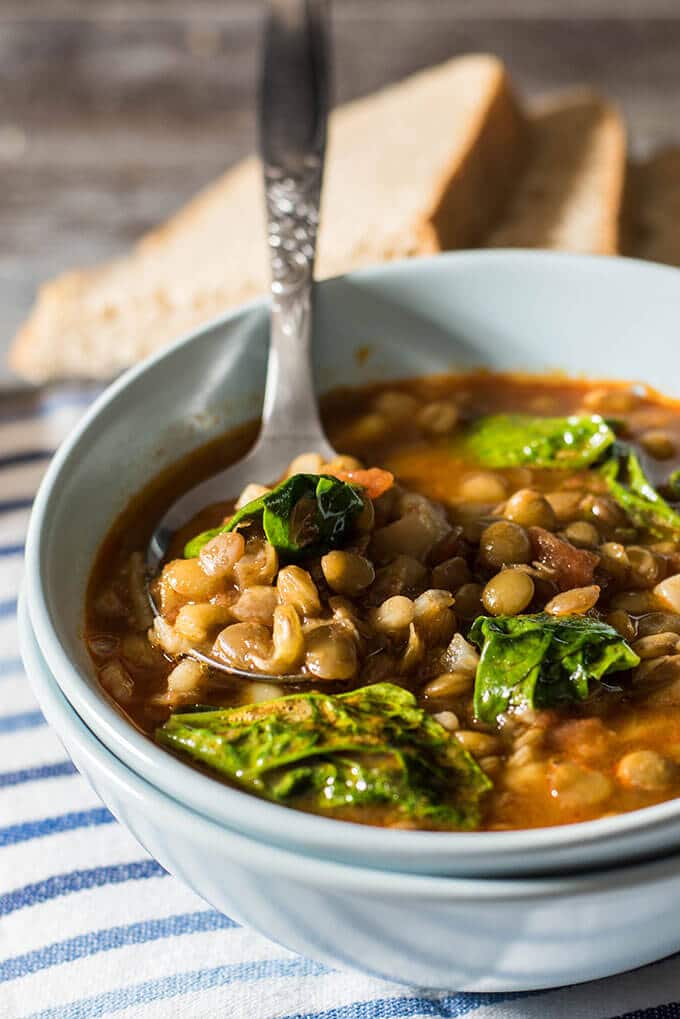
point(492, 911)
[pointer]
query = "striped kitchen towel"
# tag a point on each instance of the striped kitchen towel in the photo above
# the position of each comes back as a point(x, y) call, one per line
point(91, 926)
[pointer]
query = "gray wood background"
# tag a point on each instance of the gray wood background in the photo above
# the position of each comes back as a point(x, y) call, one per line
point(113, 112)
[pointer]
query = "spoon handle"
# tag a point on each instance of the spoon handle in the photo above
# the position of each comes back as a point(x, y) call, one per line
point(292, 126)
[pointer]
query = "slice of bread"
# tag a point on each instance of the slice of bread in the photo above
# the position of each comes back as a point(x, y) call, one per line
point(571, 193)
point(654, 208)
point(423, 165)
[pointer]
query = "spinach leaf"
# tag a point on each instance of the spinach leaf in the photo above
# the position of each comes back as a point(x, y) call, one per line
point(370, 747)
point(542, 661)
point(673, 484)
point(306, 512)
point(637, 496)
point(515, 440)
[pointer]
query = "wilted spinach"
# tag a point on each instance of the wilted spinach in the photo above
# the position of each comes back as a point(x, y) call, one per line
point(635, 494)
point(517, 440)
point(306, 512)
point(372, 747)
point(673, 484)
point(542, 661)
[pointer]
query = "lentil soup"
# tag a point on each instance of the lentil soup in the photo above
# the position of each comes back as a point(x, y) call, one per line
point(470, 619)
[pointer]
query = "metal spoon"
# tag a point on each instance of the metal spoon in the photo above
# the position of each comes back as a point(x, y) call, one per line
point(293, 107)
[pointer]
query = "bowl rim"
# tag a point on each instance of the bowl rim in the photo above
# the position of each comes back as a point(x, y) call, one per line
point(332, 874)
point(190, 785)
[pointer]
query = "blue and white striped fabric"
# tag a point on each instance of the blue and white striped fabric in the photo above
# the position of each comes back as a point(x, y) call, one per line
point(91, 926)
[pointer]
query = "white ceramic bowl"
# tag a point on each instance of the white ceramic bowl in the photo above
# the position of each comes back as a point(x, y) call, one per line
point(521, 310)
point(451, 933)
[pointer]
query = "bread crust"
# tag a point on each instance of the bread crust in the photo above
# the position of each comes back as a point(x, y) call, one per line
point(571, 194)
point(471, 197)
point(653, 208)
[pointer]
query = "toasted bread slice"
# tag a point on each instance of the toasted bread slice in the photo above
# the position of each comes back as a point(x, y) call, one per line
point(423, 165)
point(571, 193)
point(654, 208)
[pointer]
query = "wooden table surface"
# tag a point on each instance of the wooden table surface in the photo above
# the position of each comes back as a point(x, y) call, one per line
point(113, 112)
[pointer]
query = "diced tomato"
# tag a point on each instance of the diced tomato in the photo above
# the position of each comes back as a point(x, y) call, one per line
point(570, 566)
point(375, 480)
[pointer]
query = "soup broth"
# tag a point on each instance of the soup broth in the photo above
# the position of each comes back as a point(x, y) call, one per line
point(478, 601)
